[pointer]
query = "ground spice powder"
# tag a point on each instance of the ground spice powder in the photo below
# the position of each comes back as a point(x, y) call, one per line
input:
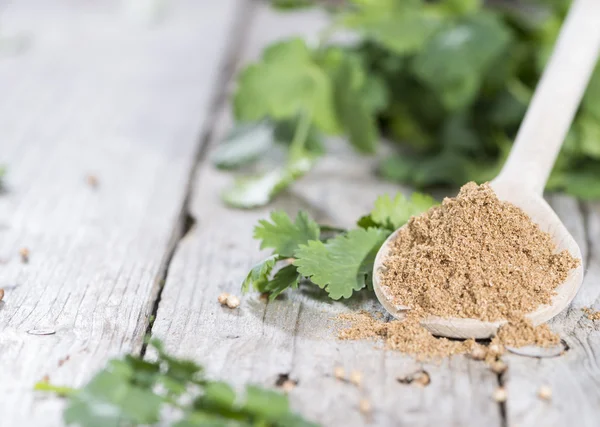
point(406, 336)
point(409, 337)
point(521, 332)
point(473, 256)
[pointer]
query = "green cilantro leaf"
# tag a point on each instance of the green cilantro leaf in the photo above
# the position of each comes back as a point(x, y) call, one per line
point(265, 404)
point(218, 397)
point(283, 235)
point(338, 265)
point(581, 182)
point(284, 84)
point(244, 144)
point(588, 128)
point(352, 109)
point(258, 277)
point(426, 170)
point(458, 7)
point(285, 278)
point(292, 4)
point(454, 59)
point(447, 167)
point(394, 213)
point(110, 399)
point(591, 99)
point(401, 26)
point(126, 393)
point(250, 192)
point(287, 129)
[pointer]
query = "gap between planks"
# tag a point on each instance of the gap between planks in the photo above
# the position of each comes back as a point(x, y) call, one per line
point(186, 220)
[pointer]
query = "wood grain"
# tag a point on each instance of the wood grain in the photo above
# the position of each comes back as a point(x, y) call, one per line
point(574, 377)
point(295, 336)
point(96, 93)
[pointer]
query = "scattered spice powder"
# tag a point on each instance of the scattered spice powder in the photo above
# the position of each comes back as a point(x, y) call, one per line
point(406, 336)
point(474, 256)
point(409, 337)
point(591, 314)
point(521, 332)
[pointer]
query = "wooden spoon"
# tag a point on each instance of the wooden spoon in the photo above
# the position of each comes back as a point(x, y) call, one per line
point(523, 178)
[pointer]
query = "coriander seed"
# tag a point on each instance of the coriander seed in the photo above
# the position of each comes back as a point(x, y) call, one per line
point(92, 181)
point(500, 395)
point(24, 253)
point(1, 294)
point(356, 378)
point(288, 385)
point(232, 301)
point(365, 407)
point(498, 367)
point(545, 392)
point(339, 373)
point(223, 298)
point(422, 379)
point(478, 353)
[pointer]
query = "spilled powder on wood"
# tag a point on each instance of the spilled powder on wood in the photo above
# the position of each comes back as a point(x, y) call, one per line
point(406, 336)
point(591, 314)
point(409, 337)
point(519, 333)
point(474, 256)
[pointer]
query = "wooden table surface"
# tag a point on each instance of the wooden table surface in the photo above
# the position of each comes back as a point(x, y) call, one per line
point(100, 89)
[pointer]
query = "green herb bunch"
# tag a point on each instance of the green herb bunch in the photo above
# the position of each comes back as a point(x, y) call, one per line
point(338, 261)
point(448, 81)
point(133, 392)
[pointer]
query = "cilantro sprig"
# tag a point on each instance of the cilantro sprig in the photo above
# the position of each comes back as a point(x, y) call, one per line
point(133, 392)
point(448, 81)
point(338, 261)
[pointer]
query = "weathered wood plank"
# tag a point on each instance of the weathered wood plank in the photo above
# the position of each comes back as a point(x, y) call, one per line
point(575, 376)
point(96, 93)
point(295, 335)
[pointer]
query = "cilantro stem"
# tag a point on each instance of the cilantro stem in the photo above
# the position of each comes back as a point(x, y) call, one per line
point(62, 391)
point(326, 33)
point(521, 92)
point(300, 136)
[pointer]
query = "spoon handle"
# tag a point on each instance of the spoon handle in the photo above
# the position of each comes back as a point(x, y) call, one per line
point(556, 99)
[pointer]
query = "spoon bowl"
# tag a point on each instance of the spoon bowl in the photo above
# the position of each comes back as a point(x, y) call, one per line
point(541, 214)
